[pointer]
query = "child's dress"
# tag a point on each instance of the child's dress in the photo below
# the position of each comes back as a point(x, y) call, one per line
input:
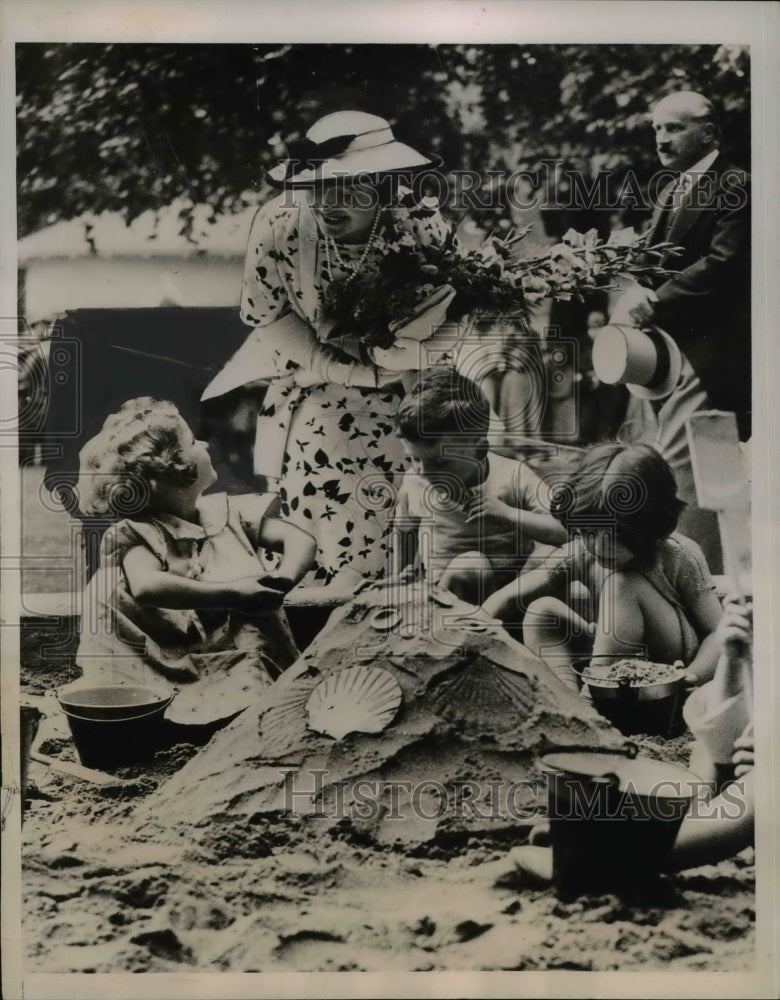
point(220, 660)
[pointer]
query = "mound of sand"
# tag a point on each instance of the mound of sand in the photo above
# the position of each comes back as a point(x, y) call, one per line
point(460, 757)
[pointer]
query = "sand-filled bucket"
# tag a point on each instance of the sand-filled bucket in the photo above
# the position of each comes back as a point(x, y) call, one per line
point(637, 696)
point(115, 724)
point(613, 816)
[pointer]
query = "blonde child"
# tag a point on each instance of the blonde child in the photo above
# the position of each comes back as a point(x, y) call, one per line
point(180, 597)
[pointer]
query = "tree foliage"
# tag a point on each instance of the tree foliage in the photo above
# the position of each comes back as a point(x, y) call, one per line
point(130, 127)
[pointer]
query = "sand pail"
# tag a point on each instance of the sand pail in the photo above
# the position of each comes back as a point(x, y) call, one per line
point(613, 817)
point(639, 705)
point(115, 724)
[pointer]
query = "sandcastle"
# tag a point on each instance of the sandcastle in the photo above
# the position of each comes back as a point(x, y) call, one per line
point(457, 756)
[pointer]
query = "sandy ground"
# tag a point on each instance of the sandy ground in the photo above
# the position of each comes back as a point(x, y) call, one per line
point(102, 894)
point(267, 900)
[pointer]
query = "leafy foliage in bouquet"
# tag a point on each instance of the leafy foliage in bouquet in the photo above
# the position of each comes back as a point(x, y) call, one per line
point(498, 278)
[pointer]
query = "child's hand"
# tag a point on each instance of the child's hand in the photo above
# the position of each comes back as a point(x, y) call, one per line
point(284, 584)
point(480, 504)
point(249, 594)
point(408, 574)
point(744, 753)
point(735, 630)
point(405, 577)
point(690, 679)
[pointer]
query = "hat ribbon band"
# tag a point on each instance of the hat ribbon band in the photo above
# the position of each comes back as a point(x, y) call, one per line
point(663, 359)
point(305, 154)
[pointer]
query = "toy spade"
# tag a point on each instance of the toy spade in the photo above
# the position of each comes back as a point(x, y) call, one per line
point(721, 485)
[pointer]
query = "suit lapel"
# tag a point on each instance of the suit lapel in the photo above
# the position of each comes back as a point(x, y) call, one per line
point(698, 200)
point(658, 223)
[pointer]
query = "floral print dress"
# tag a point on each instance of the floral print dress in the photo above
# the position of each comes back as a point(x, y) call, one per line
point(342, 460)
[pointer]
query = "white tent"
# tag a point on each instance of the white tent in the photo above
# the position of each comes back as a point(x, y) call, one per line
point(98, 261)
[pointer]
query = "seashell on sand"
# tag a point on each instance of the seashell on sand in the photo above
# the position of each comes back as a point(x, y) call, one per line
point(361, 699)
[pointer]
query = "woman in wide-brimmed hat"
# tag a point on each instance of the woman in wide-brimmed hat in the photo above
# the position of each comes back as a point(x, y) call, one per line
point(326, 428)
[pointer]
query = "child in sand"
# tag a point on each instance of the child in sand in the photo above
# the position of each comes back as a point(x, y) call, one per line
point(474, 515)
point(719, 715)
point(180, 596)
point(626, 585)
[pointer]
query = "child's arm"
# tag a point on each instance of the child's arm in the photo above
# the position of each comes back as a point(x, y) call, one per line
point(298, 551)
point(404, 536)
point(744, 758)
point(735, 636)
point(149, 583)
point(512, 600)
point(524, 502)
point(538, 525)
point(726, 829)
point(404, 545)
point(705, 614)
point(717, 713)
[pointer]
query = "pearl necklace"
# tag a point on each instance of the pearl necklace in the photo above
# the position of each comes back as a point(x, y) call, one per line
point(351, 269)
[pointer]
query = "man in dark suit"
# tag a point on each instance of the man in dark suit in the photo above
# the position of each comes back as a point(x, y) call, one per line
point(705, 209)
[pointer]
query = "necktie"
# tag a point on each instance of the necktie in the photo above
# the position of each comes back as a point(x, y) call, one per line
point(674, 199)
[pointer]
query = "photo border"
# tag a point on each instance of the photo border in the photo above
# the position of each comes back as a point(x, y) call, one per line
point(413, 21)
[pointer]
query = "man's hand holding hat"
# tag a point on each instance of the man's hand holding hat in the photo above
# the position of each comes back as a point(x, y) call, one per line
point(635, 307)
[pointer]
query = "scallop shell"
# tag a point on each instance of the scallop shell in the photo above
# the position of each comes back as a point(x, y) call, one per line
point(282, 729)
point(483, 697)
point(355, 700)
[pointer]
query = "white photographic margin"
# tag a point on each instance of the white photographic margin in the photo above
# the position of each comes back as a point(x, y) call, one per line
point(410, 21)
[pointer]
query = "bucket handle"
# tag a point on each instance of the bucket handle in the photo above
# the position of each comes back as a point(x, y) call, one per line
point(130, 718)
point(628, 749)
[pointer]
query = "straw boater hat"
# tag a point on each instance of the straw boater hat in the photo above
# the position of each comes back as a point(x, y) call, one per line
point(345, 145)
point(648, 362)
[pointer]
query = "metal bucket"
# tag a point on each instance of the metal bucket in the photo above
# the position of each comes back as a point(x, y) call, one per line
point(115, 724)
point(653, 707)
point(613, 816)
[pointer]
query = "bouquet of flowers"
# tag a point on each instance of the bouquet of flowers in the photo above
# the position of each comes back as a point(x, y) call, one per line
point(497, 279)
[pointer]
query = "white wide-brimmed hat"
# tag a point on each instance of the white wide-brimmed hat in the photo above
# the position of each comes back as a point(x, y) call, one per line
point(648, 362)
point(346, 145)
